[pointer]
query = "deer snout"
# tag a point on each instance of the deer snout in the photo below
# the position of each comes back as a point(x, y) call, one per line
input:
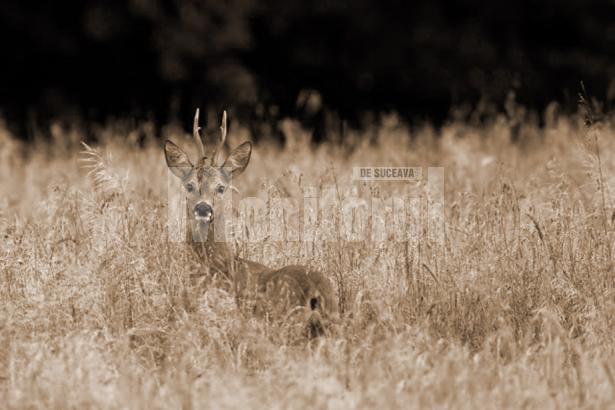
point(203, 210)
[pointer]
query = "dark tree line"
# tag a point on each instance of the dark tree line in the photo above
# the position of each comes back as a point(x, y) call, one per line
point(100, 58)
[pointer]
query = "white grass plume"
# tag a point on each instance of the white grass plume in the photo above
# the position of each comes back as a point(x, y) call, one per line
point(107, 182)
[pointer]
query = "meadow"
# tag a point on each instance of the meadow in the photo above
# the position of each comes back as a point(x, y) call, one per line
point(514, 307)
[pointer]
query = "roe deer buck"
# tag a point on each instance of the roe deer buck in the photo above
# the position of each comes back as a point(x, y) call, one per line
point(277, 291)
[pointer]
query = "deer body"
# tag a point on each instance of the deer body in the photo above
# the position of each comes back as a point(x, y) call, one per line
point(276, 292)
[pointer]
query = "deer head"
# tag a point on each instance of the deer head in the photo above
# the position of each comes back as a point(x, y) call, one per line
point(206, 181)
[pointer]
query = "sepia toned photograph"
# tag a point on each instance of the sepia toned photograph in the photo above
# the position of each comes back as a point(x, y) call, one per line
point(327, 204)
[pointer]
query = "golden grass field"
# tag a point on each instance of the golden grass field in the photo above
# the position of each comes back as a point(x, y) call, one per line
point(516, 310)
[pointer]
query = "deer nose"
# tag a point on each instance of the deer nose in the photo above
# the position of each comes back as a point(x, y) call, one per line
point(203, 210)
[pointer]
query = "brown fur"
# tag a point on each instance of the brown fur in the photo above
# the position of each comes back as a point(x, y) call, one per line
point(276, 291)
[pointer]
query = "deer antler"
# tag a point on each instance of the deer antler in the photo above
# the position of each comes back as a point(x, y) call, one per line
point(197, 135)
point(220, 144)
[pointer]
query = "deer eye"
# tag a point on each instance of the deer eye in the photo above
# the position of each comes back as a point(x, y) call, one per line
point(190, 187)
point(220, 189)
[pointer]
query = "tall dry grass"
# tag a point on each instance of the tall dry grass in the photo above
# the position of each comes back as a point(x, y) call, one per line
point(100, 310)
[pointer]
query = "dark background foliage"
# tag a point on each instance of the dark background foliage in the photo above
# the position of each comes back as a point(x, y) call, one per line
point(96, 59)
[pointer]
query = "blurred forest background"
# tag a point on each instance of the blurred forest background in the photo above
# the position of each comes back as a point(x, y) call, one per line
point(270, 59)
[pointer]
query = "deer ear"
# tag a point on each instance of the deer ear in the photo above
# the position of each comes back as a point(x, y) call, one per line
point(237, 160)
point(177, 160)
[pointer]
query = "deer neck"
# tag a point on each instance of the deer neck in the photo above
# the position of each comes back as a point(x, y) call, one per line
point(209, 242)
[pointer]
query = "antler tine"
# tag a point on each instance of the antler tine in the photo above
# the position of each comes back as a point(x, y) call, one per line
point(220, 144)
point(197, 135)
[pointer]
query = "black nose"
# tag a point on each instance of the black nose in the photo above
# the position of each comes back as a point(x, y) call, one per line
point(204, 210)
